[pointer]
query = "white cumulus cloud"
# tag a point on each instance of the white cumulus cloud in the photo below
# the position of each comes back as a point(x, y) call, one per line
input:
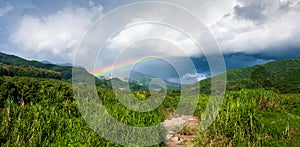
point(57, 34)
point(131, 35)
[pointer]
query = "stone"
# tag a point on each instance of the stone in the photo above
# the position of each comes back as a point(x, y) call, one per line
point(169, 136)
point(174, 138)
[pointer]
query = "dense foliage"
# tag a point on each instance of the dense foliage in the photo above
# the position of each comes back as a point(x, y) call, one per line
point(66, 71)
point(282, 76)
point(15, 66)
point(23, 71)
point(261, 77)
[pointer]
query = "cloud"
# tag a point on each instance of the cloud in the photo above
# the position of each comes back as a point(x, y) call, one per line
point(55, 35)
point(188, 78)
point(263, 26)
point(239, 26)
point(240, 60)
point(131, 35)
point(197, 76)
point(5, 10)
point(260, 11)
point(205, 10)
point(252, 27)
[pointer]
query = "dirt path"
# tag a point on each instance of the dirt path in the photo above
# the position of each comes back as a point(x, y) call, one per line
point(181, 130)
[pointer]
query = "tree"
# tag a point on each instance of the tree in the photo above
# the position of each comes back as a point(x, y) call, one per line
point(261, 77)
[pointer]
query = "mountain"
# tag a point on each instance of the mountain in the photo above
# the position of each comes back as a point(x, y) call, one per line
point(140, 81)
point(11, 65)
point(283, 76)
point(65, 64)
point(59, 64)
point(45, 62)
point(66, 71)
point(23, 71)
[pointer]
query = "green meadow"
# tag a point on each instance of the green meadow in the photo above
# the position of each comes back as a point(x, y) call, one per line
point(40, 109)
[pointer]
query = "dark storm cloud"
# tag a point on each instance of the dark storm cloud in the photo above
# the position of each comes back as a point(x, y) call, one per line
point(252, 12)
point(236, 60)
point(260, 11)
point(283, 52)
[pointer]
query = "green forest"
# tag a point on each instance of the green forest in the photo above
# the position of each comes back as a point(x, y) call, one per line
point(38, 108)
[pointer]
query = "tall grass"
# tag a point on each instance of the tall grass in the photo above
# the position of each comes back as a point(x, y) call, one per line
point(35, 112)
point(247, 119)
point(49, 115)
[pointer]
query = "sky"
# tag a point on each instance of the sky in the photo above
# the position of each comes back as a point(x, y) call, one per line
point(248, 32)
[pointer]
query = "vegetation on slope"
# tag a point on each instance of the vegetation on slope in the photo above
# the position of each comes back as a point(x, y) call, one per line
point(21, 67)
point(282, 76)
point(23, 71)
point(139, 81)
point(66, 71)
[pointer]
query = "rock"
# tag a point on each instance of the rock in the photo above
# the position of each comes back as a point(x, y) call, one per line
point(172, 132)
point(181, 129)
point(174, 138)
point(169, 136)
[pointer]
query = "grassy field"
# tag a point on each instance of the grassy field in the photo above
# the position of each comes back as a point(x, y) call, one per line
point(36, 112)
point(255, 118)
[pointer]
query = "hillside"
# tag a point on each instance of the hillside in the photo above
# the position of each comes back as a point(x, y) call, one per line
point(66, 71)
point(140, 81)
point(283, 76)
point(15, 66)
point(23, 71)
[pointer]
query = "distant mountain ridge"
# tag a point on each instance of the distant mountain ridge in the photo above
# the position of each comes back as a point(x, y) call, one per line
point(45, 62)
point(66, 71)
point(138, 80)
point(38, 69)
point(284, 76)
point(59, 64)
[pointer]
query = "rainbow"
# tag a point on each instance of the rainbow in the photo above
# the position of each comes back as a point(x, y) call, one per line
point(109, 69)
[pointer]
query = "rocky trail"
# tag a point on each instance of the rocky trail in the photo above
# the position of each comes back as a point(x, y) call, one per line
point(181, 130)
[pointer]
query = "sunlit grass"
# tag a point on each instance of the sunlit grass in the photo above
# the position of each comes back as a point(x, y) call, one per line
point(47, 115)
